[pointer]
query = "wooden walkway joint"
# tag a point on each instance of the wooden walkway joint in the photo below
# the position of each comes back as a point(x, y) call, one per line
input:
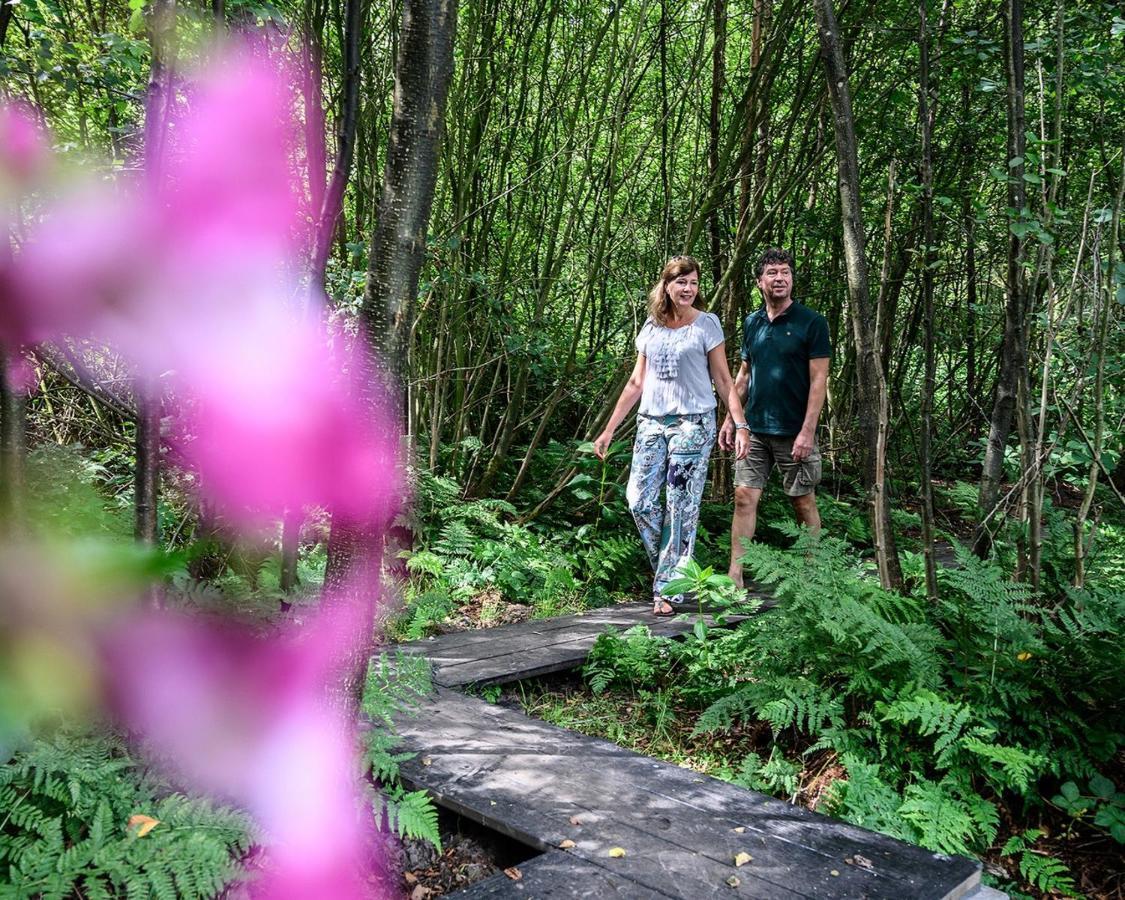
point(613, 823)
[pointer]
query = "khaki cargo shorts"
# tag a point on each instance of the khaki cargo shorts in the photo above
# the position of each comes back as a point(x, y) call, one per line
point(768, 450)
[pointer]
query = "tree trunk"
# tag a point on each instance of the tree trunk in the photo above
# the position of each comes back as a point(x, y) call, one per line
point(146, 487)
point(928, 242)
point(329, 213)
point(423, 70)
point(13, 448)
point(1012, 348)
point(871, 386)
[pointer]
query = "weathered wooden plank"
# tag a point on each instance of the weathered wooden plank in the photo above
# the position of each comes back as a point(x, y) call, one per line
point(527, 653)
point(656, 865)
point(459, 730)
point(610, 615)
point(556, 875)
point(527, 778)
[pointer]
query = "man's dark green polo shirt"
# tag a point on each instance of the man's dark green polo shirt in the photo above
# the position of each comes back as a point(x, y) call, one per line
point(779, 354)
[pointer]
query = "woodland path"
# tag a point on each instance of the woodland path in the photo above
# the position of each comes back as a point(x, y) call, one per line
point(575, 798)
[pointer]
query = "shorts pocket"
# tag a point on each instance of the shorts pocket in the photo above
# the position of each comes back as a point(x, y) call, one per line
point(811, 470)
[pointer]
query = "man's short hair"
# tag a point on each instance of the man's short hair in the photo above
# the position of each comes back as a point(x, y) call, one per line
point(774, 256)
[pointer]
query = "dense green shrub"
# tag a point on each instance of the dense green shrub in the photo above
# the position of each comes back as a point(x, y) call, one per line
point(469, 547)
point(937, 712)
point(69, 829)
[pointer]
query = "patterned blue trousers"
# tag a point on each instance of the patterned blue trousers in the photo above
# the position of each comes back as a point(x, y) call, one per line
point(670, 452)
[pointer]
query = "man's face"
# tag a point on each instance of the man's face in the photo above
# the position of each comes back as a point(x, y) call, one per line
point(776, 282)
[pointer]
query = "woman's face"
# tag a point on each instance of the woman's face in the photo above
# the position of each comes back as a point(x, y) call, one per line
point(683, 289)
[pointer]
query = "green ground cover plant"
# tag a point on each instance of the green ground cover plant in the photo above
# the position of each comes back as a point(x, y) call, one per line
point(469, 548)
point(938, 718)
point(81, 817)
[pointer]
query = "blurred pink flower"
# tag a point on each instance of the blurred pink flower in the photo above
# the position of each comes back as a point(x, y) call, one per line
point(227, 180)
point(86, 270)
point(23, 148)
point(193, 276)
point(250, 719)
point(276, 421)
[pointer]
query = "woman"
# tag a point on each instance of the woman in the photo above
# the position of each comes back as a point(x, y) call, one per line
point(680, 352)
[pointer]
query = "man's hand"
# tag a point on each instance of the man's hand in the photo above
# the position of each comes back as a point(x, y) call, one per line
point(741, 444)
point(803, 445)
point(726, 435)
point(601, 444)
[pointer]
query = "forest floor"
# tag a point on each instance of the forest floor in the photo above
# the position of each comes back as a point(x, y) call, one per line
point(651, 723)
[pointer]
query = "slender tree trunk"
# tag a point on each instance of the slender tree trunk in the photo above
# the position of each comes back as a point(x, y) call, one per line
point(13, 448)
point(146, 486)
point(332, 202)
point(1012, 348)
point(968, 223)
point(423, 71)
point(1107, 308)
point(928, 242)
point(345, 141)
point(872, 388)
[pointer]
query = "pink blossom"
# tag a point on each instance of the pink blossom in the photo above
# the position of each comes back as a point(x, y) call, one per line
point(194, 280)
point(227, 182)
point(276, 421)
point(23, 149)
point(250, 719)
point(87, 269)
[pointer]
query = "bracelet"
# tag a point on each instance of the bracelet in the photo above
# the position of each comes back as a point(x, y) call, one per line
point(741, 426)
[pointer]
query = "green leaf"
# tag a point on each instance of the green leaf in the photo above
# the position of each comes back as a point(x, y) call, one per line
point(1102, 787)
point(677, 586)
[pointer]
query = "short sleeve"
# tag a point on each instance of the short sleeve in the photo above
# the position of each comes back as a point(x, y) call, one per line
point(712, 331)
point(642, 338)
point(746, 339)
point(819, 344)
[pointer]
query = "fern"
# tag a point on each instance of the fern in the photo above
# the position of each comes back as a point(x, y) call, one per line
point(395, 688)
point(409, 814)
point(947, 817)
point(67, 803)
point(1042, 871)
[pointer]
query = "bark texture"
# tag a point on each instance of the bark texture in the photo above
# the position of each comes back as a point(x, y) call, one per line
point(1013, 351)
point(871, 386)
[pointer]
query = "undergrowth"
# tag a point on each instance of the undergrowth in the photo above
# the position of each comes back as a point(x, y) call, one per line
point(82, 819)
point(467, 548)
point(938, 714)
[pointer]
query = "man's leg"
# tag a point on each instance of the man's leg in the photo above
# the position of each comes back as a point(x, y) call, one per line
point(750, 477)
point(807, 512)
point(742, 527)
point(800, 479)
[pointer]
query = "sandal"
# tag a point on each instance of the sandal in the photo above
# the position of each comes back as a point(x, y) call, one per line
point(662, 608)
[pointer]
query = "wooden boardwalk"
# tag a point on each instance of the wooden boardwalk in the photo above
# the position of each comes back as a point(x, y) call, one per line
point(579, 799)
point(527, 649)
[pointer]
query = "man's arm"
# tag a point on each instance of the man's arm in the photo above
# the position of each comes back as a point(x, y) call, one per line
point(741, 387)
point(818, 389)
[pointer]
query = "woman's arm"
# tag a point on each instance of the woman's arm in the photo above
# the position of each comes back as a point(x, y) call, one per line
point(725, 388)
point(630, 394)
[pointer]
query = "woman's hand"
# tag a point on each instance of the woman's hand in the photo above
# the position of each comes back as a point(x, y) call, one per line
point(601, 443)
point(726, 435)
point(741, 443)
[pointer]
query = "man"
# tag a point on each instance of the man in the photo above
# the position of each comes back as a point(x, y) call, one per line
point(783, 380)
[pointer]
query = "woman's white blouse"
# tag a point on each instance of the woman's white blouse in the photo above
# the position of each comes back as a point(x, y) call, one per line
point(677, 377)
